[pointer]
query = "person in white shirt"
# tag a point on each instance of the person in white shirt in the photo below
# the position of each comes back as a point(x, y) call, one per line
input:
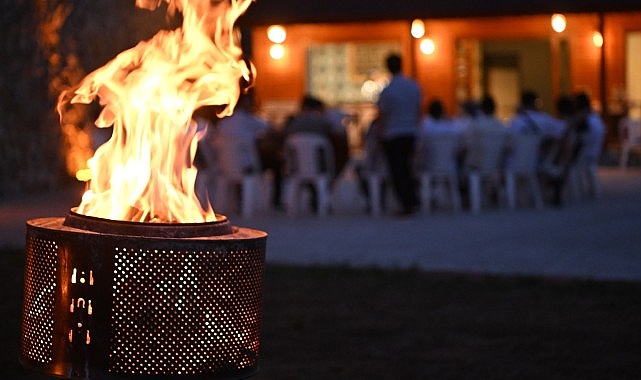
point(436, 121)
point(399, 110)
point(594, 128)
point(530, 118)
point(485, 123)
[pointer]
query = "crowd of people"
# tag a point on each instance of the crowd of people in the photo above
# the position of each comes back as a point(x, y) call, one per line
point(395, 139)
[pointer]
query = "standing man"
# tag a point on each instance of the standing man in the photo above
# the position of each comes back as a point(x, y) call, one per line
point(399, 111)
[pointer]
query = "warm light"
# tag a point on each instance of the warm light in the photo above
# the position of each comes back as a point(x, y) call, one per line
point(558, 22)
point(427, 46)
point(418, 28)
point(277, 34)
point(277, 51)
point(597, 39)
point(149, 94)
point(83, 175)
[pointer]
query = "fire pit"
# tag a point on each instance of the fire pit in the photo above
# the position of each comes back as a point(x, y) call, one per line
point(106, 298)
point(143, 279)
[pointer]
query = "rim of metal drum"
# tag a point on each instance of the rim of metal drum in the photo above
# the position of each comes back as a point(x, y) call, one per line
point(160, 230)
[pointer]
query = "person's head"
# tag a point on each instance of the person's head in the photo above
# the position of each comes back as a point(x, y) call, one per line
point(582, 101)
point(310, 103)
point(393, 63)
point(529, 100)
point(435, 109)
point(469, 108)
point(488, 106)
point(565, 106)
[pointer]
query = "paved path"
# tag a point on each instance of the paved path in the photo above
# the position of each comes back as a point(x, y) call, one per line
point(598, 239)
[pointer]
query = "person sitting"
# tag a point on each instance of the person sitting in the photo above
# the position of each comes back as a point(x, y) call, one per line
point(438, 149)
point(593, 128)
point(485, 123)
point(244, 126)
point(437, 122)
point(530, 119)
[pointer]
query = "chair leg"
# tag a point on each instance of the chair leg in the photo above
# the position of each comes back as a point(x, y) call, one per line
point(535, 188)
point(574, 183)
point(426, 193)
point(475, 192)
point(374, 183)
point(323, 196)
point(454, 192)
point(593, 180)
point(221, 191)
point(625, 154)
point(510, 189)
point(292, 195)
point(247, 196)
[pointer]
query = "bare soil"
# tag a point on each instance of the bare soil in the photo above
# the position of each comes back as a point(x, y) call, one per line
point(343, 323)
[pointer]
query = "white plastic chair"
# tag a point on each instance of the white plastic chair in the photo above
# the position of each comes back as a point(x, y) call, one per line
point(309, 160)
point(237, 164)
point(436, 160)
point(376, 173)
point(524, 164)
point(489, 151)
point(630, 130)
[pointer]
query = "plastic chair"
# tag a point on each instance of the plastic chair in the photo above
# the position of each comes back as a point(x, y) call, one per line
point(489, 149)
point(524, 164)
point(309, 160)
point(237, 165)
point(376, 174)
point(630, 130)
point(436, 159)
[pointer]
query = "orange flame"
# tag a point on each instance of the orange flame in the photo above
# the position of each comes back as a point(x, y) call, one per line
point(149, 93)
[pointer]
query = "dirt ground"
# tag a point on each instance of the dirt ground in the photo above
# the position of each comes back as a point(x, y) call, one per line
point(339, 323)
point(342, 323)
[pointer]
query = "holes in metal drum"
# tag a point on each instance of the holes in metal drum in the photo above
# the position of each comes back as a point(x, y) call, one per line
point(185, 312)
point(39, 299)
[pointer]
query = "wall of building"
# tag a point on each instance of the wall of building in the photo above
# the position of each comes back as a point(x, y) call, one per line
point(438, 73)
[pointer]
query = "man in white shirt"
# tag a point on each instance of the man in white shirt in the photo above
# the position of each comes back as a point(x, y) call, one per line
point(399, 110)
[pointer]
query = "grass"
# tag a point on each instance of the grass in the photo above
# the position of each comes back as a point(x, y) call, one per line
point(342, 323)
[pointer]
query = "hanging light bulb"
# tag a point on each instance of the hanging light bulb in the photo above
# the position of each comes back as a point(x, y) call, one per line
point(558, 22)
point(277, 34)
point(597, 39)
point(427, 46)
point(418, 28)
point(277, 51)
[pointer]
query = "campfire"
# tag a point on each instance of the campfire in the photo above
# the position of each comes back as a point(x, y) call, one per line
point(149, 94)
point(143, 277)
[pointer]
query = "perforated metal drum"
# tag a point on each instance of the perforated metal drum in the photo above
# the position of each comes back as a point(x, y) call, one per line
point(106, 299)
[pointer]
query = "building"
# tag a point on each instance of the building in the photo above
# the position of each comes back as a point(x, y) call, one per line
point(333, 49)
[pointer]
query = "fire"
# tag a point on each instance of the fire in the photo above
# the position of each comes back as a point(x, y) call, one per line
point(149, 94)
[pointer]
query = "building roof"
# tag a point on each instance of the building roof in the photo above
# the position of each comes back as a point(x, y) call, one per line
point(265, 12)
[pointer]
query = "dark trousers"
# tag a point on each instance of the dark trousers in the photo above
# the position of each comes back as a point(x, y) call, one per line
point(399, 152)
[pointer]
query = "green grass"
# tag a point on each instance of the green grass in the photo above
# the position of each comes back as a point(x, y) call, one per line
point(342, 323)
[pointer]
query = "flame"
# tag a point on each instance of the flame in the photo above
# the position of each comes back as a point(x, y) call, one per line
point(149, 94)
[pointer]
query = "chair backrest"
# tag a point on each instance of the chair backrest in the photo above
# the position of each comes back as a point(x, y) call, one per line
point(308, 155)
point(526, 149)
point(630, 130)
point(487, 152)
point(437, 153)
point(236, 157)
